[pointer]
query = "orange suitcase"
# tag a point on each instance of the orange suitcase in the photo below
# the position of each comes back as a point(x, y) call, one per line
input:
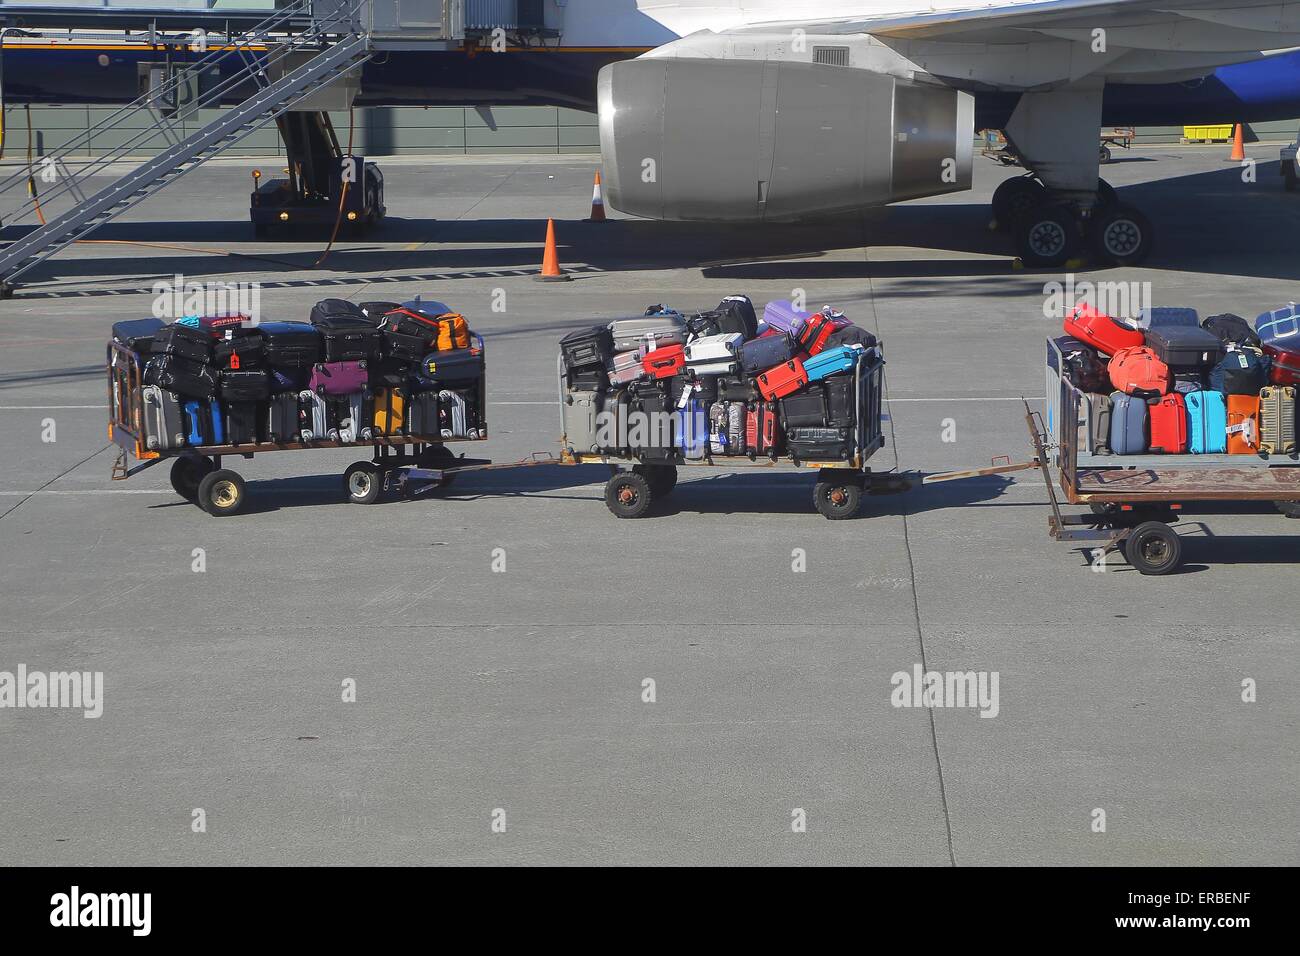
point(1243, 424)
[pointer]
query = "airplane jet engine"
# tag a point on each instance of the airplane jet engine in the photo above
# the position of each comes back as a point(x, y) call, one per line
point(762, 140)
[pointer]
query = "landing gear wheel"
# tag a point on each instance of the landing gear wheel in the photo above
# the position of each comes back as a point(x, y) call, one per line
point(628, 495)
point(1154, 548)
point(363, 482)
point(1120, 235)
point(1289, 508)
point(662, 478)
point(837, 499)
point(1013, 198)
point(221, 493)
point(186, 474)
point(1046, 237)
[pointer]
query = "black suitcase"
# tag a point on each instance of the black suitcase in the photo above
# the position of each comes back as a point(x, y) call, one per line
point(1231, 329)
point(241, 422)
point(182, 376)
point(804, 410)
point(375, 311)
point(850, 335)
point(247, 352)
point(738, 316)
point(841, 400)
point(349, 342)
point(455, 367)
point(1084, 366)
point(587, 348)
point(291, 344)
point(820, 444)
point(137, 334)
point(404, 348)
point(183, 342)
point(736, 388)
point(705, 323)
point(336, 311)
point(395, 373)
point(1185, 347)
point(702, 387)
point(282, 419)
point(406, 325)
point(253, 385)
point(759, 355)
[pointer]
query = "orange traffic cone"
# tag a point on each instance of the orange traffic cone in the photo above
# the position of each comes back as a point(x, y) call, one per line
point(1238, 145)
point(551, 259)
point(597, 202)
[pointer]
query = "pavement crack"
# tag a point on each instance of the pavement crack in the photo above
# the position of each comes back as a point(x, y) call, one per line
point(67, 471)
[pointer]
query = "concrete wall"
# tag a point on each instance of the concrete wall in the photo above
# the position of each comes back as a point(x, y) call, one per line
point(385, 131)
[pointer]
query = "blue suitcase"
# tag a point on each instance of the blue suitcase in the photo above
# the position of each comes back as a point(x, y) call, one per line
point(1164, 317)
point(203, 423)
point(691, 429)
point(1207, 423)
point(832, 361)
point(1128, 424)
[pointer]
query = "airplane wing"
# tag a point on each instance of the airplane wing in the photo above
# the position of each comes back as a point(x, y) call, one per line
point(1029, 45)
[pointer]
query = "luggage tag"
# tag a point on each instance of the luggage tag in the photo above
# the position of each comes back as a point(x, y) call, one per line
point(1246, 430)
point(686, 394)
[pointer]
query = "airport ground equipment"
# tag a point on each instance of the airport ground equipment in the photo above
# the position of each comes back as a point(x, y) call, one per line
point(306, 51)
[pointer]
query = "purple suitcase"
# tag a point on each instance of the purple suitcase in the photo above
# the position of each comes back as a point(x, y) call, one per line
point(782, 315)
point(338, 378)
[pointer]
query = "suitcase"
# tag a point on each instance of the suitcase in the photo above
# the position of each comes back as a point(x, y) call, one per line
point(783, 316)
point(456, 367)
point(429, 308)
point(1094, 429)
point(334, 312)
point(691, 430)
point(245, 353)
point(612, 411)
point(1185, 382)
point(1128, 424)
point(1207, 423)
point(1167, 317)
point(338, 378)
point(1284, 364)
point(1180, 346)
point(718, 441)
point(180, 375)
point(736, 388)
point(851, 335)
point(313, 416)
point(1279, 333)
point(282, 418)
point(454, 417)
point(422, 415)
point(403, 348)
point(761, 433)
point(714, 354)
point(841, 401)
point(736, 431)
point(702, 387)
point(164, 419)
point(376, 311)
point(820, 444)
point(390, 411)
point(137, 334)
point(813, 336)
point(783, 380)
point(646, 331)
point(833, 361)
point(805, 410)
point(410, 323)
point(703, 324)
point(181, 341)
point(240, 386)
point(1243, 371)
point(768, 351)
point(1168, 425)
point(289, 379)
point(1231, 329)
point(1277, 420)
point(240, 422)
point(579, 421)
point(588, 348)
point(218, 324)
point(1083, 365)
point(350, 342)
point(203, 423)
point(737, 315)
point(1243, 429)
point(290, 344)
point(395, 373)
point(1139, 371)
point(625, 367)
point(351, 416)
point(665, 361)
point(1099, 330)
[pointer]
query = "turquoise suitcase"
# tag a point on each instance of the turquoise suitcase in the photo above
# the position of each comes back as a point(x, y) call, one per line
point(832, 361)
point(1207, 423)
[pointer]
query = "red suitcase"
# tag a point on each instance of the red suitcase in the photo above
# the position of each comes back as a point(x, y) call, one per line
point(1285, 368)
point(1169, 425)
point(1100, 331)
point(665, 361)
point(760, 431)
point(814, 332)
point(785, 379)
point(1139, 371)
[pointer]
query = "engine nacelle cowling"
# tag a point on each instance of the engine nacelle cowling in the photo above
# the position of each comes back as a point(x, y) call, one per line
point(765, 140)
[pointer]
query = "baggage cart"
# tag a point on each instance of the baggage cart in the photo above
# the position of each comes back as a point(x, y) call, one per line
point(639, 477)
point(411, 464)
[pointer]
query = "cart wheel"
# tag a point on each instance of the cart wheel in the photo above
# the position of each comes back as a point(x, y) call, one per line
point(662, 478)
point(1289, 508)
point(221, 492)
point(838, 498)
point(628, 495)
point(186, 474)
point(1103, 155)
point(1153, 548)
point(362, 482)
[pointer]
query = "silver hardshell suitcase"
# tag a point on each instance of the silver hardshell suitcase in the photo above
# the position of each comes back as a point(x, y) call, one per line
point(579, 412)
point(164, 421)
point(650, 332)
point(713, 354)
point(627, 368)
point(318, 427)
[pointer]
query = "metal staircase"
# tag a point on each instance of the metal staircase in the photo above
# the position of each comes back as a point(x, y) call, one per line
point(337, 42)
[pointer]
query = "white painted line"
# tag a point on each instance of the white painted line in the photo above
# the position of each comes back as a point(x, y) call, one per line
point(44, 408)
point(1031, 398)
point(92, 491)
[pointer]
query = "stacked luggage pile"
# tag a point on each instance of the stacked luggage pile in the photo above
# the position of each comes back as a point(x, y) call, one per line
point(354, 373)
point(1170, 384)
point(729, 385)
